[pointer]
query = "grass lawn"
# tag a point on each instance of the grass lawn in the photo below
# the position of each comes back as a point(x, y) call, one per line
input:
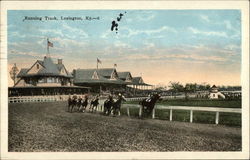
point(43, 127)
point(229, 119)
point(199, 102)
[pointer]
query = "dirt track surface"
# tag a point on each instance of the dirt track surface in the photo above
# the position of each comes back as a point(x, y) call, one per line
point(48, 127)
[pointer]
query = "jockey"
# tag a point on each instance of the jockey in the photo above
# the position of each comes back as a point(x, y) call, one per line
point(79, 99)
point(96, 97)
point(110, 98)
point(74, 96)
point(149, 98)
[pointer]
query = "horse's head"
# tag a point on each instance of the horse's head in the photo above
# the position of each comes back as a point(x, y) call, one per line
point(157, 96)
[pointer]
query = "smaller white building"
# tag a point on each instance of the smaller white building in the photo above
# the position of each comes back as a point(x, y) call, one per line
point(215, 94)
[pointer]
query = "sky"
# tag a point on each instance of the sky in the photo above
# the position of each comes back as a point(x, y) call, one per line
point(186, 46)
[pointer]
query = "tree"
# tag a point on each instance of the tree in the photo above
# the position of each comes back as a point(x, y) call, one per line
point(13, 73)
point(176, 87)
point(190, 88)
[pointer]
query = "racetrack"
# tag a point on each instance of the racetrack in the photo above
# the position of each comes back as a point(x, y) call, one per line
point(48, 127)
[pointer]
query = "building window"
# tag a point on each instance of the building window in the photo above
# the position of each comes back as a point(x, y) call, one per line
point(49, 80)
point(37, 66)
point(41, 80)
point(213, 95)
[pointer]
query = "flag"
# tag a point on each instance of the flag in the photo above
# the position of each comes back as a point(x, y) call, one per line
point(98, 61)
point(115, 65)
point(50, 44)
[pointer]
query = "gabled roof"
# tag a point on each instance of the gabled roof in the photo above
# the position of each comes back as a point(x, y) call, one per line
point(136, 80)
point(214, 86)
point(84, 73)
point(85, 76)
point(123, 75)
point(105, 72)
point(40, 62)
point(49, 68)
point(60, 66)
point(22, 72)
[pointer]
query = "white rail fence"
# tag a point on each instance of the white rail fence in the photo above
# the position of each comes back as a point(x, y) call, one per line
point(187, 108)
point(23, 99)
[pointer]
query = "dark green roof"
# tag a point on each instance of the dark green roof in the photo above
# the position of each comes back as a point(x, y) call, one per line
point(82, 76)
point(105, 72)
point(123, 75)
point(136, 80)
point(49, 69)
point(22, 72)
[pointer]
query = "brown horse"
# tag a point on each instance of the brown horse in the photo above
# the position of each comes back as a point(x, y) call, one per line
point(93, 104)
point(72, 102)
point(148, 104)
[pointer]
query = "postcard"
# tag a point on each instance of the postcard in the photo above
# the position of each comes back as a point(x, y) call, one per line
point(124, 80)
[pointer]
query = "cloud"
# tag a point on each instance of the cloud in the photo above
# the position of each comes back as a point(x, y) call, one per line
point(232, 47)
point(204, 18)
point(207, 33)
point(126, 32)
point(53, 31)
point(30, 53)
point(152, 31)
point(68, 43)
point(121, 44)
point(17, 34)
point(149, 45)
point(145, 17)
point(79, 32)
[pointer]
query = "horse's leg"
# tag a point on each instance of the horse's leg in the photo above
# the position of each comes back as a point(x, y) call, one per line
point(83, 107)
point(119, 111)
point(78, 106)
point(91, 108)
point(68, 107)
point(71, 108)
point(104, 109)
point(109, 111)
point(95, 108)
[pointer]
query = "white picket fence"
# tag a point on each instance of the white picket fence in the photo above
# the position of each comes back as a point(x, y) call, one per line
point(217, 110)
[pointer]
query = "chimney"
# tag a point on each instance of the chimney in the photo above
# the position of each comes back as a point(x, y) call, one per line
point(59, 61)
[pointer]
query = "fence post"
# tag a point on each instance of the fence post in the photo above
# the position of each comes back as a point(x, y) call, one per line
point(140, 111)
point(153, 114)
point(217, 118)
point(191, 116)
point(171, 113)
point(128, 111)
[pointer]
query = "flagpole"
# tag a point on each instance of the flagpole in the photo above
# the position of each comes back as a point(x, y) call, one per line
point(48, 47)
point(97, 63)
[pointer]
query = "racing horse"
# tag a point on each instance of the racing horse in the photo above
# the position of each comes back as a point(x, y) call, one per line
point(108, 105)
point(84, 104)
point(93, 104)
point(116, 107)
point(148, 104)
point(72, 102)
